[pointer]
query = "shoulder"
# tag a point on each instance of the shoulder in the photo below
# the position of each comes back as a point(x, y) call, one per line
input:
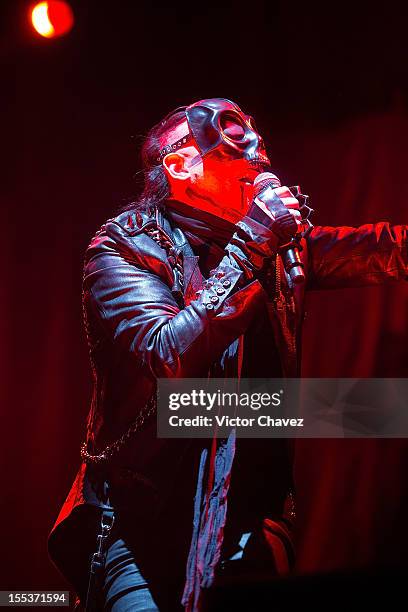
point(132, 222)
point(128, 238)
point(127, 224)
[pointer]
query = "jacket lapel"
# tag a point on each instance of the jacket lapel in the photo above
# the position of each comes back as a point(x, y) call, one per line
point(193, 280)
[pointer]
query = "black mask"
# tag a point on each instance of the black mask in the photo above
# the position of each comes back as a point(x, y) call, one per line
point(217, 124)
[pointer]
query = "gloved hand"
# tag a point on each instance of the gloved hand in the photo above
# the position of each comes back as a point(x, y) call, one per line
point(278, 210)
point(269, 223)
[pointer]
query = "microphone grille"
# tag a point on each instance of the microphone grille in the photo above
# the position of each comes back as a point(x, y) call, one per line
point(266, 179)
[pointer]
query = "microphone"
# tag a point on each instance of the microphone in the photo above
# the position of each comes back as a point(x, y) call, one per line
point(265, 184)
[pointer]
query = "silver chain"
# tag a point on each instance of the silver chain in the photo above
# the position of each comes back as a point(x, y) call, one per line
point(115, 447)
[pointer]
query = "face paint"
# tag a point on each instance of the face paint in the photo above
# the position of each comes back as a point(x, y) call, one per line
point(219, 125)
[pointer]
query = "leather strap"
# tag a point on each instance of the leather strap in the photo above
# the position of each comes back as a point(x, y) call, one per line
point(98, 562)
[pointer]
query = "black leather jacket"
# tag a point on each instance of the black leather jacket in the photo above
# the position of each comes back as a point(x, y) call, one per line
point(149, 314)
point(140, 328)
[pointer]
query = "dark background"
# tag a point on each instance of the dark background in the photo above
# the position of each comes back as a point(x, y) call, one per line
point(328, 88)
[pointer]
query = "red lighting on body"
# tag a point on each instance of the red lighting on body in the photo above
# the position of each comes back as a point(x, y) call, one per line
point(52, 19)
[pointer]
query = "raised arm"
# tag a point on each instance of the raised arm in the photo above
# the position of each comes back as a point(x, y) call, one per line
point(127, 290)
point(340, 257)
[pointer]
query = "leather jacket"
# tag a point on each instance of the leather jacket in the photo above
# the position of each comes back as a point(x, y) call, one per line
point(150, 313)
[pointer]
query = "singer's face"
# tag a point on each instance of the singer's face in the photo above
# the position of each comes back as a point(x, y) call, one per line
point(219, 179)
point(231, 163)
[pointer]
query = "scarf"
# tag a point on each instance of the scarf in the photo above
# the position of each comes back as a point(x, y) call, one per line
point(208, 236)
point(206, 233)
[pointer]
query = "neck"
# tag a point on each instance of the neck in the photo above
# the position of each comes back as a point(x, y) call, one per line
point(208, 205)
point(200, 227)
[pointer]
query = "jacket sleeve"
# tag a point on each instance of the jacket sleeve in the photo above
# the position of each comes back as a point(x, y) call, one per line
point(341, 257)
point(127, 290)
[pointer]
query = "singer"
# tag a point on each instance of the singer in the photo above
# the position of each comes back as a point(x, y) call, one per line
point(203, 276)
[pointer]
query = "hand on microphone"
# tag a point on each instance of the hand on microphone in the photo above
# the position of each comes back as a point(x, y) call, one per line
point(276, 207)
point(272, 221)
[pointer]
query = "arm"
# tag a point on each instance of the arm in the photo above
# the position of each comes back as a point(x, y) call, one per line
point(127, 287)
point(127, 290)
point(341, 257)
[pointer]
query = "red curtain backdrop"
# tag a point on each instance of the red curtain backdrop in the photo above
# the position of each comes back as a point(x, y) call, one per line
point(352, 494)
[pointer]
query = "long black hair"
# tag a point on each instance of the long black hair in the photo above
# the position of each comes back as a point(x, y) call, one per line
point(156, 188)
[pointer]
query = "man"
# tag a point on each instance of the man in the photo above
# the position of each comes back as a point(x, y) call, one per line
point(189, 282)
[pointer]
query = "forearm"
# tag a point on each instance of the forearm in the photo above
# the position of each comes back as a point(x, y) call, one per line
point(356, 256)
point(198, 334)
point(141, 317)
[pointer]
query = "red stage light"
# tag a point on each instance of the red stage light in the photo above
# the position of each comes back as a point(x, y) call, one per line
point(52, 19)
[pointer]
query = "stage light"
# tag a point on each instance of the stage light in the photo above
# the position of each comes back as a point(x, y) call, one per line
point(52, 19)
